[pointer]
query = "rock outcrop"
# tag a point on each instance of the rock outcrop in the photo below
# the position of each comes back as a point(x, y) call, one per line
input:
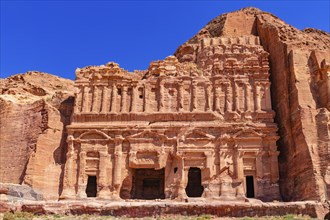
point(35, 107)
point(300, 77)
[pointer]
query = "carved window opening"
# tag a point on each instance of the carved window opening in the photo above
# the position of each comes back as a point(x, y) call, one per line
point(175, 169)
point(91, 188)
point(140, 93)
point(194, 187)
point(148, 184)
point(249, 180)
point(119, 91)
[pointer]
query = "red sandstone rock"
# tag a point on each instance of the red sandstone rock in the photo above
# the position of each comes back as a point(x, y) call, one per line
point(248, 41)
point(35, 107)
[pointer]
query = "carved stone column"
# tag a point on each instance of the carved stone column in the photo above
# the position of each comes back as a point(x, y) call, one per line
point(105, 100)
point(161, 97)
point(274, 173)
point(124, 99)
point(69, 179)
point(247, 97)
point(103, 177)
point(78, 100)
point(134, 97)
point(210, 162)
point(229, 97)
point(194, 96)
point(236, 96)
point(208, 96)
point(239, 165)
point(146, 98)
point(180, 97)
point(114, 98)
point(259, 165)
point(257, 97)
point(81, 176)
point(86, 106)
point(217, 98)
point(118, 167)
point(96, 100)
point(266, 89)
point(183, 182)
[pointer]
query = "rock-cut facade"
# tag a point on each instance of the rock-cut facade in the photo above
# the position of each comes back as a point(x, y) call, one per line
point(198, 127)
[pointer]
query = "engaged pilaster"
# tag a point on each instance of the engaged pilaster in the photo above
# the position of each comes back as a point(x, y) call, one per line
point(103, 177)
point(134, 98)
point(228, 97)
point(247, 97)
point(124, 99)
point(96, 99)
point(161, 97)
point(78, 100)
point(86, 106)
point(257, 97)
point(194, 96)
point(81, 176)
point(105, 100)
point(118, 167)
point(114, 98)
point(147, 90)
point(208, 102)
point(69, 172)
point(180, 97)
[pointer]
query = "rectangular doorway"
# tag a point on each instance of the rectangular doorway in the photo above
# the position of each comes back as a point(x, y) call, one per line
point(91, 188)
point(148, 184)
point(249, 180)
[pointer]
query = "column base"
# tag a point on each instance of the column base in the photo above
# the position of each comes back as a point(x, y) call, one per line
point(104, 193)
point(68, 195)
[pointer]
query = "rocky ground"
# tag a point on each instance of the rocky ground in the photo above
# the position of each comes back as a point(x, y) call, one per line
point(9, 216)
point(164, 208)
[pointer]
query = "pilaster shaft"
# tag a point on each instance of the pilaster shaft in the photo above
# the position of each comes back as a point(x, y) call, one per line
point(81, 175)
point(247, 97)
point(124, 99)
point(114, 98)
point(228, 97)
point(105, 99)
point(86, 106)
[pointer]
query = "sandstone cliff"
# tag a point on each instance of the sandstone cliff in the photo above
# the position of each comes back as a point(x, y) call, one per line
point(299, 73)
point(34, 109)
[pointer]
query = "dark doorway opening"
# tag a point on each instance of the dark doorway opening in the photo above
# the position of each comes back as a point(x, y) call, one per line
point(148, 184)
point(249, 187)
point(91, 188)
point(194, 187)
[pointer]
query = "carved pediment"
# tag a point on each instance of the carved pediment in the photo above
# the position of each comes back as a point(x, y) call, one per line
point(94, 135)
point(248, 133)
point(147, 135)
point(197, 134)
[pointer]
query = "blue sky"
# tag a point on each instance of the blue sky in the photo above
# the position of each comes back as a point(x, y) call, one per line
point(58, 36)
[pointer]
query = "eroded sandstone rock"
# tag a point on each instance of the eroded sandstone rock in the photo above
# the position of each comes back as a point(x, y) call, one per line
point(35, 107)
point(208, 122)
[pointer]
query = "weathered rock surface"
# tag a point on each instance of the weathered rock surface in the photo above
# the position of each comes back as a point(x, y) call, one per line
point(300, 77)
point(15, 192)
point(35, 107)
point(166, 208)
